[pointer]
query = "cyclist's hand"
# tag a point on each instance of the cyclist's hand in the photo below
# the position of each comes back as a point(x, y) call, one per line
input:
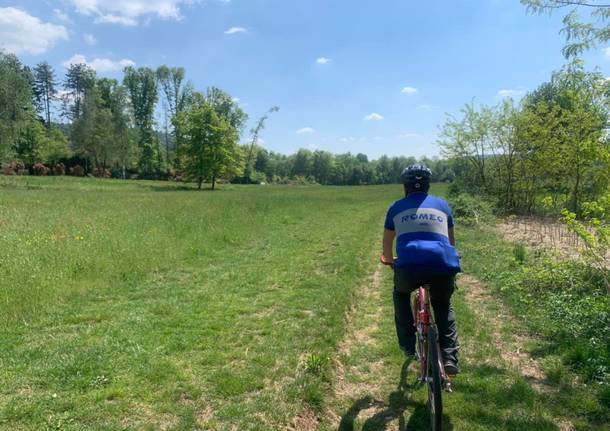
point(384, 261)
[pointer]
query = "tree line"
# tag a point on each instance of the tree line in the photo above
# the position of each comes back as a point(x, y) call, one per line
point(155, 124)
point(549, 151)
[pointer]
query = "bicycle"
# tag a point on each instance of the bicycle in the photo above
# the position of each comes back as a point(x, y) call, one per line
point(428, 352)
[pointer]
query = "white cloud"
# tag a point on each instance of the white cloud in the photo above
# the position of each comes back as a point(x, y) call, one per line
point(99, 64)
point(409, 90)
point(427, 107)
point(607, 51)
point(305, 130)
point(348, 139)
point(116, 19)
point(65, 95)
point(323, 60)
point(89, 39)
point(62, 16)
point(373, 117)
point(235, 30)
point(510, 93)
point(409, 135)
point(127, 12)
point(75, 59)
point(22, 32)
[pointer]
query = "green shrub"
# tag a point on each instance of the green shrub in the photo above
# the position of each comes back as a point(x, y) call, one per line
point(567, 302)
point(470, 210)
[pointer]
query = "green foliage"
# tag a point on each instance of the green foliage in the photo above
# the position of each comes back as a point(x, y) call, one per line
point(79, 79)
point(29, 142)
point(566, 302)
point(323, 167)
point(580, 36)
point(255, 132)
point(519, 254)
point(210, 142)
point(470, 210)
point(575, 308)
point(552, 144)
point(16, 108)
point(55, 147)
point(45, 89)
point(595, 232)
point(112, 126)
point(143, 94)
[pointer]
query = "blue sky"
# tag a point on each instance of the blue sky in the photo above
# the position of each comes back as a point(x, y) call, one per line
point(376, 77)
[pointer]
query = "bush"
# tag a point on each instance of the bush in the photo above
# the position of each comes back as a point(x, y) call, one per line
point(101, 173)
point(16, 167)
point(470, 210)
point(59, 169)
point(258, 178)
point(7, 169)
point(77, 171)
point(40, 169)
point(567, 301)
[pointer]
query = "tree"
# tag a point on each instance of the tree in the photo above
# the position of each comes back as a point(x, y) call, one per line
point(176, 95)
point(302, 163)
point(15, 102)
point(580, 36)
point(29, 142)
point(210, 142)
point(115, 98)
point(45, 90)
point(260, 125)
point(143, 92)
point(54, 147)
point(565, 133)
point(505, 147)
point(171, 82)
point(226, 107)
point(322, 166)
point(468, 139)
point(79, 78)
point(92, 132)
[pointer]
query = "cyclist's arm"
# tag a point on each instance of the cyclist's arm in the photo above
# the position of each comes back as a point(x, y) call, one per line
point(388, 243)
point(451, 237)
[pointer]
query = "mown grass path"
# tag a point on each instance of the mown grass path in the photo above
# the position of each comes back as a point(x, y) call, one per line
point(501, 387)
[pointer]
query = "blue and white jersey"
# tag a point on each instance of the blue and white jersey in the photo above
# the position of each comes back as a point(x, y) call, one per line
point(422, 223)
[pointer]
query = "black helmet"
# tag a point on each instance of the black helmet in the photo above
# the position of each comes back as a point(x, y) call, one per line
point(416, 176)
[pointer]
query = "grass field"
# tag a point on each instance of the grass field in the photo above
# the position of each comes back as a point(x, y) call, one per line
point(140, 305)
point(143, 305)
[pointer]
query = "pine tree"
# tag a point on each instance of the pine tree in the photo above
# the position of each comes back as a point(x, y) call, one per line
point(45, 90)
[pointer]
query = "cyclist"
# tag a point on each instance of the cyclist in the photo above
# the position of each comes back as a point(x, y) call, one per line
point(423, 227)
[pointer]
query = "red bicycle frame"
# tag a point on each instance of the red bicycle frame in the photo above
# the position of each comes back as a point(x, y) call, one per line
point(423, 318)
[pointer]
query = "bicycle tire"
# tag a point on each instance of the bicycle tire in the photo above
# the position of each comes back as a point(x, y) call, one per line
point(435, 401)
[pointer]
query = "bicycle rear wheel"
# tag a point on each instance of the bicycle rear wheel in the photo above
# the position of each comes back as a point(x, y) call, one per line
point(435, 402)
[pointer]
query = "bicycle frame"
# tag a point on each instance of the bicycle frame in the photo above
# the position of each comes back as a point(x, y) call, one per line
point(423, 319)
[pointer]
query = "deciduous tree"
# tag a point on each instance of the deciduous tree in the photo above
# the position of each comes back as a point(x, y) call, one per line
point(142, 86)
point(211, 150)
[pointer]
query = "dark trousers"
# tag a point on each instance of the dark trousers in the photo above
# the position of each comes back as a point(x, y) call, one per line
point(441, 289)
